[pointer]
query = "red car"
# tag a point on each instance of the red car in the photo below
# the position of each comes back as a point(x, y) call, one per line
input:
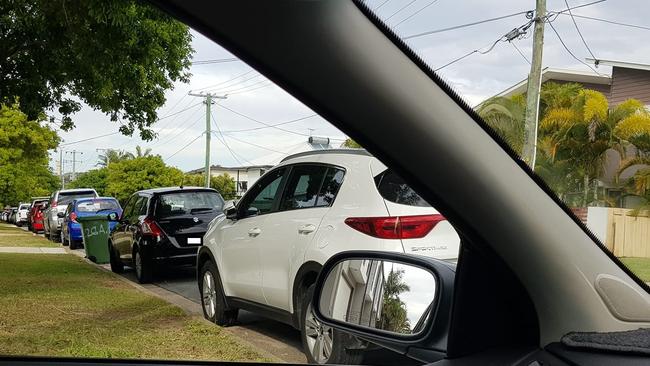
point(36, 216)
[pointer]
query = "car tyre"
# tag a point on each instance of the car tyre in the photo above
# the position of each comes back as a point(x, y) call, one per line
point(64, 241)
point(116, 263)
point(213, 301)
point(74, 244)
point(142, 266)
point(322, 344)
point(53, 236)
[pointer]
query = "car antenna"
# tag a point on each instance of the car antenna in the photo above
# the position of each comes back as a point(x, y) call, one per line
point(182, 181)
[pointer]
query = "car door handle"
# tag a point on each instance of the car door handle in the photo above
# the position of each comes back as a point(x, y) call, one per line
point(306, 229)
point(254, 232)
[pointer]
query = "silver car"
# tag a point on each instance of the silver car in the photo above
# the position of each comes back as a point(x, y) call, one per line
point(58, 202)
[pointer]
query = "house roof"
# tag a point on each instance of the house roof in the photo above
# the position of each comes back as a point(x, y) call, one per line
point(627, 65)
point(549, 73)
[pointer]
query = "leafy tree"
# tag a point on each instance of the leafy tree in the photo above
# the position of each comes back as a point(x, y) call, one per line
point(141, 153)
point(350, 143)
point(24, 170)
point(128, 176)
point(96, 178)
point(224, 184)
point(393, 313)
point(118, 56)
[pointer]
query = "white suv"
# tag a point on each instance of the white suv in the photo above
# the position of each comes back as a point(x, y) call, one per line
point(265, 254)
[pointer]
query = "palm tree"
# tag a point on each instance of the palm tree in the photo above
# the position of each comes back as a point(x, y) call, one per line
point(140, 153)
point(113, 156)
point(393, 314)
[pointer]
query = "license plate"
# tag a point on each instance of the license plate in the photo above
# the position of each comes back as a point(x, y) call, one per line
point(193, 240)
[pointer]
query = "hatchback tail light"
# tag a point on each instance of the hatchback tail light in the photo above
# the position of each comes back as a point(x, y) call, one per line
point(73, 217)
point(396, 227)
point(150, 227)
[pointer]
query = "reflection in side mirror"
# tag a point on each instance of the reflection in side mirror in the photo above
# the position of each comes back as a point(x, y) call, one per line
point(379, 294)
point(113, 216)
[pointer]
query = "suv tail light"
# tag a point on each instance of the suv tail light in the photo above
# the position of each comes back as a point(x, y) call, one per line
point(396, 227)
point(150, 227)
point(73, 217)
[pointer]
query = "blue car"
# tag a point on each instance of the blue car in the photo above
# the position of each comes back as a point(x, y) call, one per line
point(71, 229)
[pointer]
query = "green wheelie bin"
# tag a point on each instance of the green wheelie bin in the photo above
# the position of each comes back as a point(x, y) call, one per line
point(94, 230)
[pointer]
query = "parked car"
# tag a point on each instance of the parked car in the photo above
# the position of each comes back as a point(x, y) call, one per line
point(13, 215)
point(22, 214)
point(71, 229)
point(58, 202)
point(162, 226)
point(268, 250)
point(38, 216)
point(33, 209)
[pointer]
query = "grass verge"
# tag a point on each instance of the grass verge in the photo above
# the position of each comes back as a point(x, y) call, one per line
point(58, 305)
point(640, 267)
point(11, 236)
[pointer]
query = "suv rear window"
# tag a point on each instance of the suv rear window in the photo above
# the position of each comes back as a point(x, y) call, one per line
point(67, 197)
point(186, 203)
point(394, 189)
point(97, 205)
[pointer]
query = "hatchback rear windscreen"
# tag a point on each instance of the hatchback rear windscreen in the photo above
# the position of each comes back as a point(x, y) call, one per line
point(186, 203)
point(394, 189)
point(65, 198)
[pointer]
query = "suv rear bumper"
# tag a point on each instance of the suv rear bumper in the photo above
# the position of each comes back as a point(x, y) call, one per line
point(165, 252)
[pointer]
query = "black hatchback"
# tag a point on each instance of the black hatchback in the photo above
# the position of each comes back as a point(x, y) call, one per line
point(162, 226)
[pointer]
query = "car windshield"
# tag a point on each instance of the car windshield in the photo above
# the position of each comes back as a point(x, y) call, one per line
point(97, 205)
point(186, 203)
point(120, 99)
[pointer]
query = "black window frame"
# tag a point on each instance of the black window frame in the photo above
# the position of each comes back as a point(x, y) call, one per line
point(320, 187)
point(251, 193)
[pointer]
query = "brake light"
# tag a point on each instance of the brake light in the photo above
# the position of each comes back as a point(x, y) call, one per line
point(73, 217)
point(396, 227)
point(150, 227)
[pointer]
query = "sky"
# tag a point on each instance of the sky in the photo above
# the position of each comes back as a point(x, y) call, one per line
point(181, 141)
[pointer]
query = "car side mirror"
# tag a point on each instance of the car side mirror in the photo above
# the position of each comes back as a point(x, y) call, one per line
point(399, 301)
point(113, 216)
point(231, 213)
point(60, 214)
point(252, 211)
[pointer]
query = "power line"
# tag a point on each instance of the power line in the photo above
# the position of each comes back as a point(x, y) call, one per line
point(230, 91)
point(167, 139)
point(610, 21)
point(250, 90)
point(239, 82)
point(274, 125)
point(400, 10)
point(579, 6)
point(179, 112)
point(224, 82)
point(569, 51)
point(521, 53)
point(90, 138)
point(578, 29)
point(184, 147)
point(215, 61)
point(225, 143)
point(464, 25)
point(259, 146)
point(416, 12)
point(382, 4)
point(260, 122)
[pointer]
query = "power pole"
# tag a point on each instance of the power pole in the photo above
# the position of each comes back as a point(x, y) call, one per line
point(208, 130)
point(61, 169)
point(534, 86)
point(74, 163)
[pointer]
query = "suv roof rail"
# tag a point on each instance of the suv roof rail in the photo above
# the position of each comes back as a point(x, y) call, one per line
point(327, 151)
